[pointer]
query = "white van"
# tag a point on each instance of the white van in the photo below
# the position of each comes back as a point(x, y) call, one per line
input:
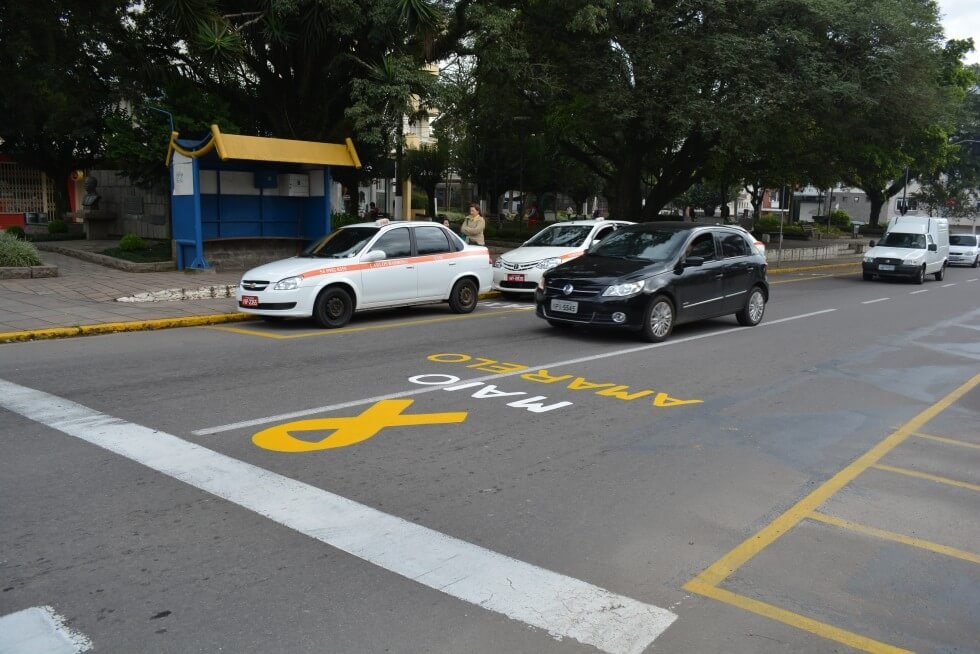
point(912, 247)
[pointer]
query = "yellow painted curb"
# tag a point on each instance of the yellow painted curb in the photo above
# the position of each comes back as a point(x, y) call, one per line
point(779, 271)
point(113, 327)
point(137, 326)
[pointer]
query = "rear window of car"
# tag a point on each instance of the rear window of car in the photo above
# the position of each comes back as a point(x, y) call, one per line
point(432, 240)
point(734, 245)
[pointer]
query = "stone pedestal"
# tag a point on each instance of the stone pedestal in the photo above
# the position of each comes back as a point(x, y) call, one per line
point(97, 224)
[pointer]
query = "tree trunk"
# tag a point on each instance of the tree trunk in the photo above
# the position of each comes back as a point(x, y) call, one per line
point(877, 201)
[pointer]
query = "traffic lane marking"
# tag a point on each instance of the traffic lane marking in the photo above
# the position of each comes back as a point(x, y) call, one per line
point(39, 629)
point(562, 606)
point(948, 441)
point(486, 378)
point(708, 582)
point(895, 537)
point(267, 333)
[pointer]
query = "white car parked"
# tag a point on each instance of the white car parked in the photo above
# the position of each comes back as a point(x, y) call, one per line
point(519, 270)
point(964, 250)
point(369, 266)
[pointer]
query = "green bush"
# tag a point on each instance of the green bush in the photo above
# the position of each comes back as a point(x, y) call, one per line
point(16, 231)
point(17, 253)
point(57, 227)
point(840, 219)
point(131, 243)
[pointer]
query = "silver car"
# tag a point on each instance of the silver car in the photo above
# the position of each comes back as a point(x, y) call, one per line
point(964, 250)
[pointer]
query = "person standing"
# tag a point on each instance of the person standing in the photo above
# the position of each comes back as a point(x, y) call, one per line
point(473, 226)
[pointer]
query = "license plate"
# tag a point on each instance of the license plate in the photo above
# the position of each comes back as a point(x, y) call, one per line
point(250, 301)
point(564, 306)
point(885, 266)
point(515, 278)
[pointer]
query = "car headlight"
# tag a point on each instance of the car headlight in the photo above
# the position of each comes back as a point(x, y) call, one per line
point(623, 290)
point(545, 264)
point(912, 260)
point(498, 263)
point(288, 284)
point(868, 258)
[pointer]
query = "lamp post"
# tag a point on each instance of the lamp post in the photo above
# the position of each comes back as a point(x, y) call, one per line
point(521, 129)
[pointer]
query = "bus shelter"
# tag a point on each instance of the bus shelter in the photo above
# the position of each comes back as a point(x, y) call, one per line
point(248, 188)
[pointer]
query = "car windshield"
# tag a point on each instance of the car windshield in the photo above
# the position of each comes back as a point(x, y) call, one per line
point(962, 239)
point(342, 244)
point(652, 245)
point(560, 236)
point(903, 240)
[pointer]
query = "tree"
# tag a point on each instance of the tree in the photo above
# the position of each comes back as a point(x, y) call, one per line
point(427, 167)
point(303, 69)
point(57, 91)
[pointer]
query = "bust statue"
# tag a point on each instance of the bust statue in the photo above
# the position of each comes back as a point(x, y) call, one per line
point(92, 197)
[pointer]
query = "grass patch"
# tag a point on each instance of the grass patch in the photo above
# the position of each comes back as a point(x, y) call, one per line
point(155, 251)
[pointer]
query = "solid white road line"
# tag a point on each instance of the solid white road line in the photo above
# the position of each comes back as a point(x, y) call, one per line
point(563, 606)
point(207, 431)
point(39, 630)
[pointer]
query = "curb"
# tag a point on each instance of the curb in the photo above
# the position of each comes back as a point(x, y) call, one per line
point(796, 269)
point(114, 327)
point(138, 325)
point(109, 262)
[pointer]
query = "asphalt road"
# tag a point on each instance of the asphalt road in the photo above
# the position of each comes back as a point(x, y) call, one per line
point(427, 482)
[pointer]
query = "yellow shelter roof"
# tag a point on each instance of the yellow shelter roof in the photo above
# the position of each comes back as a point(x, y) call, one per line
point(236, 147)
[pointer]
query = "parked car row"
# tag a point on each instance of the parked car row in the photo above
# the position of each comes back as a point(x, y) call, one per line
point(647, 277)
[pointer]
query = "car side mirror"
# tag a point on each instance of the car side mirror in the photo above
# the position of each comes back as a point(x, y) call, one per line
point(374, 255)
point(691, 262)
point(871, 243)
point(933, 247)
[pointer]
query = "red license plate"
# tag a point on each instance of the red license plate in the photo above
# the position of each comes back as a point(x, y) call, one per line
point(515, 278)
point(250, 301)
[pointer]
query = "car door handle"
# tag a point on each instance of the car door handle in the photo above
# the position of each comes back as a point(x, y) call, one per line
point(718, 276)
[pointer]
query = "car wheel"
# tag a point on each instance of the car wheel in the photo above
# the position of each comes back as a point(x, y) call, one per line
point(658, 319)
point(463, 297)
point(755, 307)
point(333, 308)
point(920, 277)
point(976, 262)
point(867, 277)
point(939, 274)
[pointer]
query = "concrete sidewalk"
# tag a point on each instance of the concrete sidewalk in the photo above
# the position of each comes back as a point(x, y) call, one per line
point(91, 298)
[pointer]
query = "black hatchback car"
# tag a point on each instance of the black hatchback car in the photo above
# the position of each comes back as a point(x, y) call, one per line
point(652, 276)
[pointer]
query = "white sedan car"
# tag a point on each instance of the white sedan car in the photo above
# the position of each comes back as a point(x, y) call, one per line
point(369, 266)
point(964, 250)
point(519, 270)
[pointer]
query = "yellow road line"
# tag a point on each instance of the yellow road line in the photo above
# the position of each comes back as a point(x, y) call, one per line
point(849, 638)
point(895, 537)
point(708, 581)
point(926, 476)
point(949, 441)
point(368, 328)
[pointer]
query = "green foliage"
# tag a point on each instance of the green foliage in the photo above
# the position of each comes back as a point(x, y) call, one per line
point(151, 252)
point(341, 219)
point(15, 252)
point(131, 243)
point(14, 230)
point(57, 226)
point(840, 219)
point(59, 78)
